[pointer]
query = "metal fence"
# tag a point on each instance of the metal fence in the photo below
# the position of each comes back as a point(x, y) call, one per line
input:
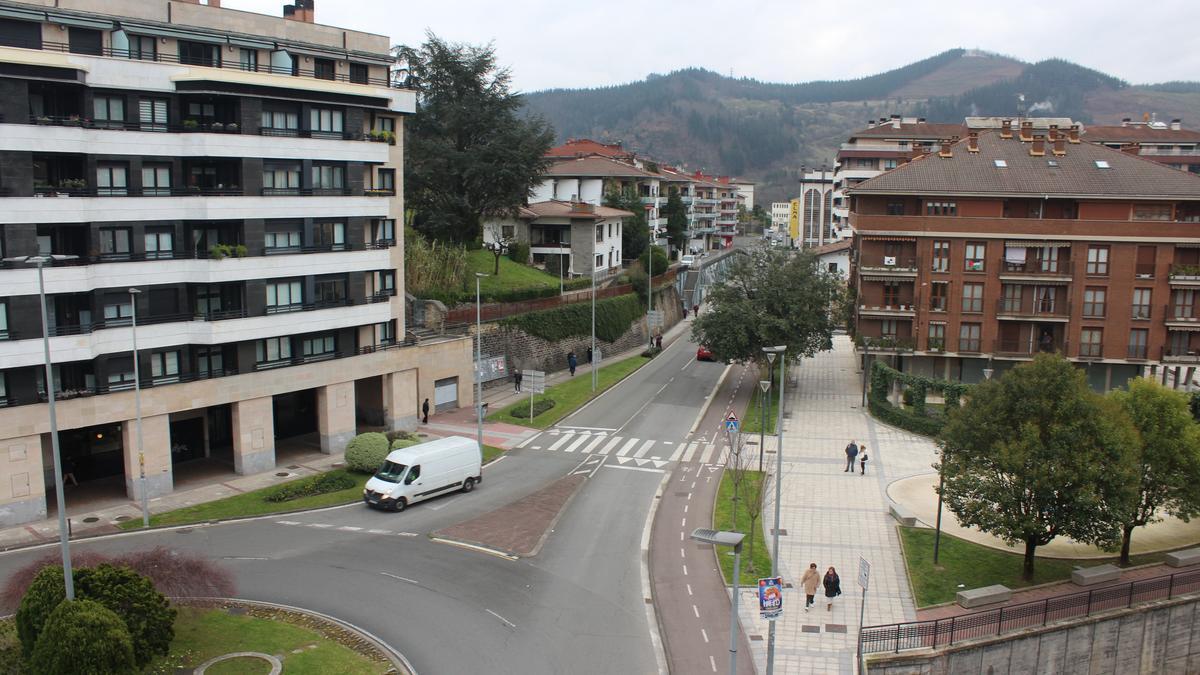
point(942, 632)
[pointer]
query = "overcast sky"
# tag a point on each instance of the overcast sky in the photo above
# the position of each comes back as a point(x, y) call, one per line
point(583, 44)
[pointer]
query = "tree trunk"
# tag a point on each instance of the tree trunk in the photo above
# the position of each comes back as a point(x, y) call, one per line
point(1027, 570)
point(496, 270)
point(1126, 538)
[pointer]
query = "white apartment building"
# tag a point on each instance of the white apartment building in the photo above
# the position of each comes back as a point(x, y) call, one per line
point(780, 212)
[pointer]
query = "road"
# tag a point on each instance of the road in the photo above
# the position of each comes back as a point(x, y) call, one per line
point(578, 606)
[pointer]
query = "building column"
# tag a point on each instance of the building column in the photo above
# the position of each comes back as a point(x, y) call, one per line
point(335, 416)
point(1107, 377)
point(401, 404)
point(156, 448)
point(253, 436)
point(23, 491)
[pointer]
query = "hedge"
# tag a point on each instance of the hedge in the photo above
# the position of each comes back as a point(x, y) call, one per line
point(540, 405)
point(313, 485)
point(916, 418)
point(613, 318)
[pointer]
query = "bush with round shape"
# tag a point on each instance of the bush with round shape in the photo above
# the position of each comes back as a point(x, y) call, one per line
point(83, 637)
point(147, 614)
point(45, 594)
point(404, 443)
point(366, 452)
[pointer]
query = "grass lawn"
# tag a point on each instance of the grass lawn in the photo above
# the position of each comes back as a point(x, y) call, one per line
point(491, 452)
point(975, 565)
point(512, 275)
point(570, 395)
point(752, 419)
point(201, 634)
point(253, 504)
point(758, 564)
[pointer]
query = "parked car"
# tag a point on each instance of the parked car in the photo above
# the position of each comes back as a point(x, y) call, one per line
point(687, 261)
point(703, 354)
point(423, 471)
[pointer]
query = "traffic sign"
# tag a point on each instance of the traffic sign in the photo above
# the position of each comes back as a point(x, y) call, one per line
point(770, 598)
point(731, 425)
point(655, 318)
point(534, 380)
point(864, 572)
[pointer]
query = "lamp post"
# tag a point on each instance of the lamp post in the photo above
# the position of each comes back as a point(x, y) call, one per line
point(772, 352)
point(866, 367)
point(650, 290)
point(765, 386)
point(937, 530)
point(137, 406)
point(734, 539)
point(478, 366)
point(56, 454)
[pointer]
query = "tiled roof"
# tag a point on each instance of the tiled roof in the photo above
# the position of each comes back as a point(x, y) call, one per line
point(579, 147)
point(923, 130)
point(595, 166)
point(1138, 133)
point(560, 209)
point(835, 247)
point(1074, 174)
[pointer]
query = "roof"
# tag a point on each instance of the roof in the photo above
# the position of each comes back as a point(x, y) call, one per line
point(595, 166)
point(560, 209)
point(1075, 174)
point(1139, 133)
point(924, 130)
point(581, 147)
point(835, 247)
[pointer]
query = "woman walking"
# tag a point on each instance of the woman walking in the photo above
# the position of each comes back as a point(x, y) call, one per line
point(810, 581)
point(833, 587)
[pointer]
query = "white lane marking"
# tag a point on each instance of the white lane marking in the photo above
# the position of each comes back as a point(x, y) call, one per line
point(350, 528)
point(689, 587)
point(682, 554)
point(591, 446)
point(320, 525)
point(704, 634)
point(404, 579)
point(712, 662)
point(287, 522)
point(689, 496)
point(683, 522)
point(244, 557)
point(685, 570)
point(563, 439)
point(633, 468)
point(506, 622)
point(691, 451)
point(693, 485)
point(696, 611)
point(575, 446)
point(600, 462)
point(379, 531)
point(588, 428)
point(473, 547)
point(627, 447)
point(644, 449)
point(685, 508)
point(407, 534)
point(678, 452)
point(536, 447)
point(612, 443)
point(668, 442)
point(680, 536)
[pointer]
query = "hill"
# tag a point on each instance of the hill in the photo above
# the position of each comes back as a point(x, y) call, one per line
point(766, 131)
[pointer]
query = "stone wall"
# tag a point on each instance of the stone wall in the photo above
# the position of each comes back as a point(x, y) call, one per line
point(1162, 637)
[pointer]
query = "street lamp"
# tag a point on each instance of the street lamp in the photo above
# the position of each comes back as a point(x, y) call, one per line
point(63, 538)
point(650, 290)
point(771, 353)
point(137, 405)
point(734, 539)
point(478, 366)
point(866, 341)
point(765, 386)
point(937, 529)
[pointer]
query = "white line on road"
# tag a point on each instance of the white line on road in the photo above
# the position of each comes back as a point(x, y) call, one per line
point(350, 528)
point(712, 662)
point(320, 525)
point(588, 428)
point(680, 536)
point(404, 579)
point(644, 449)
point(600, 462)
point(561, 441)
point(379, 531)
point(508, 623)
point(689, 496)
point(696, 611)
point(575, 446)
point(693, 485)
point(612, 443)
point(407, 534)
point(287, 522)
point(627, 447)
point(592, 446)
point(633, 468)
point(244, 557)
point(678, 451)
point(704, 634)
point(685, 508)
point(689, 587)
point(685, 570)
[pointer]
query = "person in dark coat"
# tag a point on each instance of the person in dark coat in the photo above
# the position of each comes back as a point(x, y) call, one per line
point(517, 376)
point(851, 453)
point(658, 342)
point(425, 412)
point(572, 362)
point(833, 587)
point(589, 354)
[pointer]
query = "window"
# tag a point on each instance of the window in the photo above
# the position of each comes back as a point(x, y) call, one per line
point(386, 124)
point(895, 208)
point(281, 178)
point(1000, 163)
point(209, 361)
point(1097, 261)
point(1045, 296)
point(387, 180)
point(1103, 164)
point(280, 123)
point(1047, 258)
point(1093, 302)
point(385, 333)
point(974, 256)
point(1183, 300)
point(941, 256)
point(599, 262)
point(285, 238)
point(937, 296)
point(610, 229)
point(508, 232)
point(599, 234)
point(112, 180)
point(330, 234)
point(156, 179)
point(159, 243)
point(114, 241)
point(3, 390)
point(152, 114)
point(1137, 343)
point(327, 177)
point(1152, 212)
point(385, 282)
point(330, 291)
point(248, 59)
point(1141, 303)
point(359, 73)
point(889, 164)
point(1012, 298)
point(941, 208)
point(1090, 341)
point(972, 298)
point(284, 296)
point(142, 48)
point(891, 294)
point(4, 320)
point(201, 110)
point(164, 367)
point(887, 328)
point(317, 346)
point(121, 379)
point(969, 337)
point(199, 54)
point(273, 351)
point(385, 231)
point(118, 310)
point(108, 111)
point(324, 69)
point(937, 336)
point(325, 121)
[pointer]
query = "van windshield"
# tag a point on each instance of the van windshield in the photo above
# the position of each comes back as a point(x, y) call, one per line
point(390, 472)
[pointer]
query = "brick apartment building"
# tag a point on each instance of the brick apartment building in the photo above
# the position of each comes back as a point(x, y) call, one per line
point(1014, 241)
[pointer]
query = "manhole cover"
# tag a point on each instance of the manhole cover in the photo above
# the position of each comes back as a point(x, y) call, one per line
point(294, 466)
point(810, 629)
point(121, 519)
point(283, 474)
point(91, 519)
point(835, 628)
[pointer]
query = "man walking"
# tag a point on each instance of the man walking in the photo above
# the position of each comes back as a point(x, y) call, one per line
point(572, 362)
point(517, 375)
point(425, 412)
point(851, 453)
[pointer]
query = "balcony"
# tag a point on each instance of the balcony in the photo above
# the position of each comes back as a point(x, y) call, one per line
point(1184, 276)
point(884, 344)
point(1181, 316)
point(889, 311)
point(1031, 309)
point(889, 266)
point(1035, 269)
point(1029, 347)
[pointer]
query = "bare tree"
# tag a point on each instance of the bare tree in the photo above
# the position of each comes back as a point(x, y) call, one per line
point(748, 490)
point(497, 243)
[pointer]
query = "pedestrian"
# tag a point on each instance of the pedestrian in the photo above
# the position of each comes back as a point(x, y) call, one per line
point(658, 342)
point(589, 354)
point(695, 311)
point(425, 412)
point(69, 472)
point(572, 362)
point(833, 587)
point(862, 460)
point(851, 453)
point(810, 581)
point(517, 380)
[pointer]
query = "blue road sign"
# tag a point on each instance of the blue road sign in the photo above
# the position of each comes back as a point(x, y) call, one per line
point(731, 425)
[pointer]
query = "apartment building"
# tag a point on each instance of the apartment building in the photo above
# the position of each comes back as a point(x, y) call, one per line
point(1011, 242)
point(816, 210)
point(1169, 144)
point(780, 212)
point(243, 173)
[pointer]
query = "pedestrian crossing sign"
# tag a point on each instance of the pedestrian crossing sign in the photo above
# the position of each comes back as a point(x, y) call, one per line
point(731, 423)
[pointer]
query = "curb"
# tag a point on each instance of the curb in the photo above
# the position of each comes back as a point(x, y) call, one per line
point(708, 401)
point(653, 620)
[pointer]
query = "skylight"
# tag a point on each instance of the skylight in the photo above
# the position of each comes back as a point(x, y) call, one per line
point(1052, 162)
point(1000, 163)
point(1102, 164)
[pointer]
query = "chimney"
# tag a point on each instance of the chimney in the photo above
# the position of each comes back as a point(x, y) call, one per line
point(870, 124)
point(1125, 121)
point(582, 207)
point(973, 141)
point(1053, 132)
point(1038, 149)
point(895, 121)
point(1176, 124)
point(301, 10)
point(945, 152)
point(1026, 130)
point(1074, 137)
point(1006, 129)
point(920, 120)
point(1130, 148)
point(1060, 145)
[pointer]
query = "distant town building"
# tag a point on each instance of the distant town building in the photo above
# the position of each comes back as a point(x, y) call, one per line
point(816, 209)
point(779, 214)
point(835, 257)
point(1169, 144)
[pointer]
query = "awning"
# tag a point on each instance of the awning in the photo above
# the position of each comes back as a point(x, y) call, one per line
point(80, 22)
point(25, 14)
point(1033, 243)
point(874, 277)
point(1183, 329)
point(1035, 282)
point(251, 43)
point(887, 238)
point(1187, 244)
point(159, 31)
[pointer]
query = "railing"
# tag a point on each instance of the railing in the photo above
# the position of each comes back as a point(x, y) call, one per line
point(304, 192)
point(146, 382)
point(1059, 309)
point(992, 622)
point(49, 191)
point(1144, 270)
point(1035, 267)
point(134, 124)
point(379, 192)
point(1028, 347)
point(1180, 314)
point(1186, 356)
point(1149, 150)
point(878, 264)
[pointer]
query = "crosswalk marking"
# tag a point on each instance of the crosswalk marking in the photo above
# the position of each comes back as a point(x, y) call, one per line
point(575, 446)
point(652, 452)
point(596, 440)
point(644, 449)
point(628, 446)
point(691, 451)
point(612, 443)
point(563, 439)
point(678, 452)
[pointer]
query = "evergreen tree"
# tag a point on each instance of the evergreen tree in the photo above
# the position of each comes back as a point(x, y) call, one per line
point(677, 223)
point(635, 232)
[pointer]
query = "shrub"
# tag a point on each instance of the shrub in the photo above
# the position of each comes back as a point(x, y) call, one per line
point(540, 405)
point(44, 594)
point(146, 613)
point(366, 452)
point(916, 418)
point(403, 443)
point(321, 484)
point(83, 637)
point(405, 435)
point(651, 352)
point(518, 252)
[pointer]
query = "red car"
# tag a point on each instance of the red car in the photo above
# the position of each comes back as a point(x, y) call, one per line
point(702, 354)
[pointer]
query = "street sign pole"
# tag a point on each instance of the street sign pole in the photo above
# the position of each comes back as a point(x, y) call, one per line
point(864, 577)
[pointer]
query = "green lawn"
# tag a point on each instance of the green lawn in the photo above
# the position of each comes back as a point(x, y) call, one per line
point(974, 565)
point(201, 634)
point(253, 504)
point(512, 275)
point(570, 395)
point(752, 419)
point(756, 564)
point(491, 452)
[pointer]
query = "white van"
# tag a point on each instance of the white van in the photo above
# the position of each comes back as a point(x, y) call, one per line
point(425, 470)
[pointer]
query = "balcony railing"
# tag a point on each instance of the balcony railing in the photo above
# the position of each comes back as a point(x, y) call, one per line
point(1028, 347)
point(878, 264)
point(379, 192)
point(1033, 307)
point(304, 192)
point(202, 254)
point(89, 191)
point(1050, 268)
point(1185, 314)
point(1183, 356)
point(135, 125)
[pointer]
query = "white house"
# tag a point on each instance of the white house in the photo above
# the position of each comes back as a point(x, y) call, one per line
point(835, 257)
point(583, 236)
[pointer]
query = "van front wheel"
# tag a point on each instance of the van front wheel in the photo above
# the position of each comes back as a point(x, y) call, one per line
point(468, 485)
point(400, 504)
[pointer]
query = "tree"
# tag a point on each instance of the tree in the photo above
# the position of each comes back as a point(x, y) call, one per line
point(1165, 459)
point(677, 222)
point(498, 244)
point(635, 232)
point(470, 150)
point(770, 297)
point(83, 637)
point(132, 597)
point(1034, 455)
point(45, 593)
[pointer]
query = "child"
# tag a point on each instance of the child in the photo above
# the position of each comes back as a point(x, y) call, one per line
point(862, 461)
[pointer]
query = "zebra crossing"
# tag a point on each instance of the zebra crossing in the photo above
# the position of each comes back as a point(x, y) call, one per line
point(599, 442)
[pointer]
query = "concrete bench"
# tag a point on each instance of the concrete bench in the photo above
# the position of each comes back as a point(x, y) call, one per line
point(1095, 575)
point(903, 515)
point(1183, 558)
point(977, 597)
